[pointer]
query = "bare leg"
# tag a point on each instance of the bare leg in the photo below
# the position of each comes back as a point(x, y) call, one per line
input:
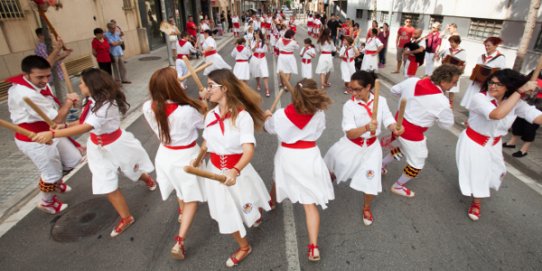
point(119, 203)
point(327, 78)
point(266, 85)
point(513, 140)
point(525, 147)
point(258, 83)
point(189, 211)
point(367, 201)
point(398, 66)
point(312, 217)
point(181, 209)
point(273, 194)
point(323, 80)
point(243, 245)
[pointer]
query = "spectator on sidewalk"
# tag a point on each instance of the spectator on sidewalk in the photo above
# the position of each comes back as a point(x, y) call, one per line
point(404, 34)
point(333, 24)
point(54, 59)
point(119, 32)
point(191, 28)
point(230, 22)
point(100, 50)
point(173, 37)
point(373, 47)
point(383, 36)
point(414, 52)
point(432, 47)
point(115, 42)
point(374, 25)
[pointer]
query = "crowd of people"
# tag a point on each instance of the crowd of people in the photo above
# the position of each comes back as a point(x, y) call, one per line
point(229, 113)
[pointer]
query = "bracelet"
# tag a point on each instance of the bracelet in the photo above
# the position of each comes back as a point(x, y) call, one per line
point(238, 171)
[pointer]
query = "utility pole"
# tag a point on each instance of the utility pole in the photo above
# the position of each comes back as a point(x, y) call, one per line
point(527, 34)
point(168, 44)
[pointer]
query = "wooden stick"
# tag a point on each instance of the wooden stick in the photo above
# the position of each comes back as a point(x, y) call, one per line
point(537, 70)
point(375, 99)
point(198, 69)
point(205, 174)
point(17, 129)
point(201, 154)
point(193, 73)
point(276, 101)
point(40, 112)
point(400, 114)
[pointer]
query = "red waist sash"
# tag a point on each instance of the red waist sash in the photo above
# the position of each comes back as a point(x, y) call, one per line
point(36, 127)
point(325, 53)
point(180, 56)
point(306, 60)
point(181, 147)
point(369, 52)
point(259, 55)
point(208, 53)
point(286, 53)
point(480, 138)
point(236, 25)
point(413, 132)
point(226, 161)
point(301, 144)
point(241, 60)
point(360, 140)
point(348, 59)
point(105, 139)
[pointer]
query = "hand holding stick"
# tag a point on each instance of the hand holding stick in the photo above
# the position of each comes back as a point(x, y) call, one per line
point(400, 114)
point(205, 174)
point(276, 101)
point(17, 129)
point(201, 154)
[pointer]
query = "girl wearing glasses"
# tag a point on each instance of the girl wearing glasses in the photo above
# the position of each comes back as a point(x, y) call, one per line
point(229, 133)
point(479, 149)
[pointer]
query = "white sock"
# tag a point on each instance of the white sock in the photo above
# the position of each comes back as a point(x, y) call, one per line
point(46, 196)
point(403, 180)
point(387, 159)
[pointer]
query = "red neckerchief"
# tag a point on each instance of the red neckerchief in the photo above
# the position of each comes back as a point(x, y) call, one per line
point(20, 80)
point(220, 121)
point(426, 87)
point(182, 42)
point(170, 107)
point(366, 106)
point(285, 41)
point(85, 111)
point(299, 120)
point(486, 59)
point(239, 48)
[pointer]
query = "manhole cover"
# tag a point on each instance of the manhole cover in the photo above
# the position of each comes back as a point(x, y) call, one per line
point(84, 219)
point(149, 58)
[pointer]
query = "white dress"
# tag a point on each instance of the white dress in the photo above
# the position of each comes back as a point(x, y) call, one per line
point(213, 57)
point(495, 60)
point(347, 63)
point(241, 54)
point(426, 104)
point(370, 59)
point(482, 167)
point(184, 48)
point(325, 62)
point(306, 61)
point(125, 153)
point(347, 159)
point(460, 54)
point(300, 174)
point(184, 121)
point(258, 62)
point(231, 206)
point(286, 62)
point(236, 24)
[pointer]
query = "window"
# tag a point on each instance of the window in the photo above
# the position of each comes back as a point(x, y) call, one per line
point(434, 19)
point(483, 28)
point(370, 15)
point(359, 13)
point(384, 16)
point(412, 16)
point(10, 9)
point(343, 4)
point(127, 4)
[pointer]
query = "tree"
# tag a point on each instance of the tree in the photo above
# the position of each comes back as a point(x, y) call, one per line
point(527, 34)
point(373, 17)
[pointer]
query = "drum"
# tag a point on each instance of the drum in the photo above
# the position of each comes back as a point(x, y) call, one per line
point(481, 73)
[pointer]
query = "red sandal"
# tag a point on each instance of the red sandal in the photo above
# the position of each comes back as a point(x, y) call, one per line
point(233, 261)
point(178, 251)
point(53, 207)
point(367, 217)
point(124, 223)
point(474, 211)
point(314, 253)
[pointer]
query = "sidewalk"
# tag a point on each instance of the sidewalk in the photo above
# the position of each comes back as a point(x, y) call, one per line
point(530, 164)
point(19, 179)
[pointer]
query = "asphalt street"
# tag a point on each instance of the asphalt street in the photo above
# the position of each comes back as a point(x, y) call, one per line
point(428, 232)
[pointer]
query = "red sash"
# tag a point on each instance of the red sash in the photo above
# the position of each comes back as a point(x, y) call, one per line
point(209, 53)
point(360, 140)
point(301, 144)
point(180, 56)
point(236, 25)
point(369, 52)
point(259, 55)
point(36, 127)
point(286, 53)
point(325, 53)
point(346, 59)
point(241, 60)
point(412, 66)
point(412, 132)
point(306, 60)
point(481, 139)
point(105, 139)
point(226, 161)
point(181, 147)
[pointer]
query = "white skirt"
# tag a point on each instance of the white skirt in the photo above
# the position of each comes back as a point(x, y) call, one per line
point(325, 64)
point(415, 152)
point(287, 64)
point(170, 174)
point(231, 206)
point(258, 67)
point(218, 63)
point(241, 70)
point(361, 164)
point(347, 69)
point(370, 63)
point(301, 175)
point(473, 88)
point(306, 70)
point(480, 167)
point(126, 154)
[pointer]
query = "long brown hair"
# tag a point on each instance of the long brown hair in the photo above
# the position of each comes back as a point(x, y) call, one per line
point(239, 96)
point(308, 98)
point(104, 89)
point(164, 86)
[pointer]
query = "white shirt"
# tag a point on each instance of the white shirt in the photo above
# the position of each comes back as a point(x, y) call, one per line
point(249, 37)
point(344, 53)
point(493, 61)
point(234, 135)
point(291, 47)
point(481, 107)
point(355, 115)
point(234, 19)
point(460, 53)
point(105, 120)
point(326, 47)
point(184, 123)
point(288, 133)
point(257, 48)
point(307, 53)
point(20, 112)
point(372, 44)
point(209, 42)
point(186, 49)
point(317, 23)
point(243, 55)
point(424, 110)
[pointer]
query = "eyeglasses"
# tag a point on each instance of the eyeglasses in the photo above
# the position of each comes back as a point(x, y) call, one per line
point(355, 89)
point(498, 84)
point(211, 86)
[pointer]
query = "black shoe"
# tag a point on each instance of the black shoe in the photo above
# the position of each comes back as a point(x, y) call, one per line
point(504, 145)
point(519, 154)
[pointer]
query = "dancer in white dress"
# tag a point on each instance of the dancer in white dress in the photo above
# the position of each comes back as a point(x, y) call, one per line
point(229, 134)
point(300, 172)
point(249, 36)
point(458, 55)
point(373, 46)
point(358, 155)
point(310, 25)
point(184, 48)
point(241, 54)
point(110, 149)
point(426, 104)
point(211, 55)
point(348, 53)
point(479, 149)
point(491, 59)
point(236, 25)
point(325, 61)
point(258, 63)
point(175, 119)
point(286, 61)
point(307, 54)
point(316, 26)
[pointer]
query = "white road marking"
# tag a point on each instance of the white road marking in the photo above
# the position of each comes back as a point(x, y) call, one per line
point(530, 182)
